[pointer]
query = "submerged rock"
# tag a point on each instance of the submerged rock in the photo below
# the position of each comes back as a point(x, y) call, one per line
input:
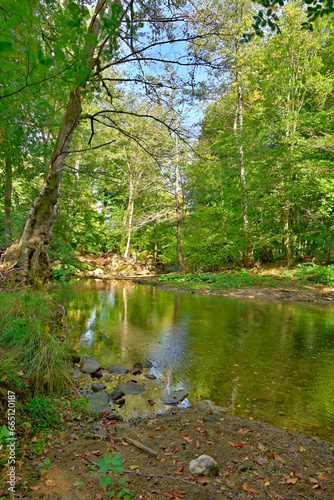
point(207, 404)
point(151, 376)
point(90, 365)
point(204, 466)
point(175, 397)
point(118, 370)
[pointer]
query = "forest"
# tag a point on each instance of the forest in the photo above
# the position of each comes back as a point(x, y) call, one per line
point(167, 204)
point(165, 129)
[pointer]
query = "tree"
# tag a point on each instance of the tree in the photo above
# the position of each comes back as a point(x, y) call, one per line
point(109, 40)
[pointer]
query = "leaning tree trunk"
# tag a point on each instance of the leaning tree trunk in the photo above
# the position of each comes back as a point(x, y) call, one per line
point(31, 251)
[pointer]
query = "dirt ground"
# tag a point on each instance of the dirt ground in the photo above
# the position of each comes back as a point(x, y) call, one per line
point(256, 461)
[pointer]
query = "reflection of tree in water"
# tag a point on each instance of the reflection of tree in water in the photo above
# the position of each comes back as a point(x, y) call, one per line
point(88, 336)
point(259, 356)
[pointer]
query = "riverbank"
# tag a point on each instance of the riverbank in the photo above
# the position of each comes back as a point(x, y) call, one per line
point(289, 292)
point(254, 459)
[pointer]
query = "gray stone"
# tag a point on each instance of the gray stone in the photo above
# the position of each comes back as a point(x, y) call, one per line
point(123, 427)
point(126, 389)
point(99, 402)
point(130, 388)
point(90, 365)
point(138, 368)
point(206, 404)
point(115, 416)
point(175, 397)
point(204, 466)
point(118, 370)
point(151, 376)
point(96, 387)
point(116, 394)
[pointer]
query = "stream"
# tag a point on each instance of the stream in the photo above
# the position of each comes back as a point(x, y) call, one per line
point(266, 361)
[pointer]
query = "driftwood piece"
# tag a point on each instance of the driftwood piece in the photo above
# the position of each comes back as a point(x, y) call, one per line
point(139, 445)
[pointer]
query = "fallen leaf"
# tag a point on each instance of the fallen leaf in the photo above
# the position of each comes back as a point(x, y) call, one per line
point(158, 428)
point(302, 447)
point(209, 442)
point(259, 460)
point(296, 470)
point(149, 495)
point(151, 436)
point(35, 488)
point(97, 453)
point(124, 443)
point(246, 486)
point(230, 443)
point(151, 402)
point(153, 420)
point(228, 483)
point(292, 480)
point(44, 473)
point(98, 496)
point(278, 458)
point(187, 439)
point(273, 494)
point(261, 447)
point(312, 480)
point(198, 445)
point(322, 475)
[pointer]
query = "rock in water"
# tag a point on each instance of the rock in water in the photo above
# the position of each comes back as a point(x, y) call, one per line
point(127, 389)
point(90, 365)
point(99, 402)
point(130, 388)
point(204, 466)
point(175, 397)
point(118, 370)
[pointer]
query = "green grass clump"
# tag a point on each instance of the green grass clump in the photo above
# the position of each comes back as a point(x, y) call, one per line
point(43, 413)
point(315, 273)
point(226, 280)
point(31, 349)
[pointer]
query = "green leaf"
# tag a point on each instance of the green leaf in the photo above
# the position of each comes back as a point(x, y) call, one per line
point(123, 480)
point(104, 463)
point(90, 38)
point(105, 481)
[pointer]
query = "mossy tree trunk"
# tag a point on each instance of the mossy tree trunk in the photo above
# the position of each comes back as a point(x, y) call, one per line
point(31, 252)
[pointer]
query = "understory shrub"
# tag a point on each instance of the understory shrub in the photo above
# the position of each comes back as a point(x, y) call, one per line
point(310, 271)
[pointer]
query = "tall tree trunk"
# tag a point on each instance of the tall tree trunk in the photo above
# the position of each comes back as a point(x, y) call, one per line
point(177, 207)
point(32, 248)
point(287, 236)
point(130, 208)
point(248, 256)
point(8, 201)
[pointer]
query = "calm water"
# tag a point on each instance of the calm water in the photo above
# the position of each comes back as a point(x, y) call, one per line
point(264, 361)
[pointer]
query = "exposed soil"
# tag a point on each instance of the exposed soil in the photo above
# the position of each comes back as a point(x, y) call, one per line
point(256, 461)
point(290, 291)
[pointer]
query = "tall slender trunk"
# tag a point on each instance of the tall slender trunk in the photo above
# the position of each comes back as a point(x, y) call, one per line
point(287, 235)
point(8, 201)
point(130, 208)
point(177, 207)
point(37, 233)
point(238, 131)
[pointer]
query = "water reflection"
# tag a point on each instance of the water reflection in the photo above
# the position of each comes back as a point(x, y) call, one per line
point(266, 361)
